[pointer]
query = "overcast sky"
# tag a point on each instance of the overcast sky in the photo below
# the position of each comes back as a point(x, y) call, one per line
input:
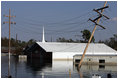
point(60, 19)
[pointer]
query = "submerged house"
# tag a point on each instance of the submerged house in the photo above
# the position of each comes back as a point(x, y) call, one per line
point(96, 52)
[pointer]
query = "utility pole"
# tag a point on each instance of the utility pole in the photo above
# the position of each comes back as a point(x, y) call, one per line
point(9, 16)
point(16, 38)
point(51, 38)
point(98, 19)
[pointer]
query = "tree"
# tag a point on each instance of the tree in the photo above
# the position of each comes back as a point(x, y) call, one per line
point(4, 41)
point(61, 40)
point(65, 40)
point(86, 35)
point(31, 41)
point(112, 42)
point(18, 44)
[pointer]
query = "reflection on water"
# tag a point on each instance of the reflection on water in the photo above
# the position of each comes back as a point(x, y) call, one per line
point(102, 70)
point(57, 69)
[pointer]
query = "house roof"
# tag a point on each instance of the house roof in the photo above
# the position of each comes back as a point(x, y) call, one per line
point(94, 48)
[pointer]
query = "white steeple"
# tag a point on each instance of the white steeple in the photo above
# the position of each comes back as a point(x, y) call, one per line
point(43, 37)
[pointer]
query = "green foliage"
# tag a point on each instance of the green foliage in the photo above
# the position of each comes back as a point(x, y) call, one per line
point(112, 42)
point(18, 44)
point(4, 42)
point(31, 41)
point(64, 40)
point(86, 35)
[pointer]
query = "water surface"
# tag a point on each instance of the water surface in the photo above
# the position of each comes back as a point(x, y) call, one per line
point(21, 68)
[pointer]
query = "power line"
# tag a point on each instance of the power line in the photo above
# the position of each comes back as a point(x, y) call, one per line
point(63, 21)
point(75, 23)
point(27, 30)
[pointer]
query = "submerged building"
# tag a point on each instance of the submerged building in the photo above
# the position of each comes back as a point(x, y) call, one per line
point(96, 52)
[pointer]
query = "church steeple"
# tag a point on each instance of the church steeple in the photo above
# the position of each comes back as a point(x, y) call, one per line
point(43, 37)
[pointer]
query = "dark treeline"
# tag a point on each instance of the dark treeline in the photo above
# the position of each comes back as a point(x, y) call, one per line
point(18, 44)
point(14, 43)
point(112, 42)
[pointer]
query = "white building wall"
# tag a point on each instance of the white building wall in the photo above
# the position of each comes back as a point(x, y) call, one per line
point(69, 55)
point(63, 55)
point(89, 59)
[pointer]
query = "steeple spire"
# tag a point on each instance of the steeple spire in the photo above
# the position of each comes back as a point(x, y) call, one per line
point(43, 37)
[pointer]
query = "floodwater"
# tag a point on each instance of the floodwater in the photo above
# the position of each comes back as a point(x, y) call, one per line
point(21, 68)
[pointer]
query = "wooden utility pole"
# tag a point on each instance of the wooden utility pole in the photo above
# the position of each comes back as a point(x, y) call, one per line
point(9, 76)
point(16, 38)
point(90, 38)
point(69, 73)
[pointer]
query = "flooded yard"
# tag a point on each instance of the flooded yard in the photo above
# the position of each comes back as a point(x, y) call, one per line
point(22, 68)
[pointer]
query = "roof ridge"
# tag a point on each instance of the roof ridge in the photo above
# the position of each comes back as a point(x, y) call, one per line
point(67, 43)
